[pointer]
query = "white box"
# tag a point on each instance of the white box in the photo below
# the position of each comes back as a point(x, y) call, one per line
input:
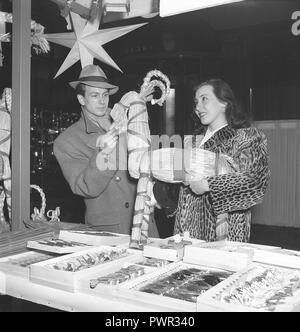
point(95, 238)
point(47, 273)
point(258, 287)
point(261, 253)
point(162, 249)
point(236, 246)
point(58, 246)
point(131, 290)
point(217, 257)
point(282, 258)
point(106, 289)
point(19, 264)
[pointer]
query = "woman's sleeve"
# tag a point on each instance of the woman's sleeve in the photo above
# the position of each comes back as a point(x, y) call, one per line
point(82, 174)
point(240, 191)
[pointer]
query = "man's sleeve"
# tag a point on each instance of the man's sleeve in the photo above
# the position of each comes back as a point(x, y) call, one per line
point(82, 174)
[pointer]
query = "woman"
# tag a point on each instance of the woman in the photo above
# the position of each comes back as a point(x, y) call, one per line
point(218, 207)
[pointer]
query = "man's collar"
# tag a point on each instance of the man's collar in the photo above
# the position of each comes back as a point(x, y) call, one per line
point(90, 125)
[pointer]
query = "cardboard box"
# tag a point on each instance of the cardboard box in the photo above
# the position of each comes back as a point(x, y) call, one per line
point(66, 271)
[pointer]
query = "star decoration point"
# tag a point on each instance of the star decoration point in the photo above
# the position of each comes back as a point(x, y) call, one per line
point(86, 42)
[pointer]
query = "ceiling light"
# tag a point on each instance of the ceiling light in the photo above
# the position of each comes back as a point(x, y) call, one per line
point(173, 7)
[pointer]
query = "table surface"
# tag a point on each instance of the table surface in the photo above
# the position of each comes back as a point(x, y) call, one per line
point(21, 287)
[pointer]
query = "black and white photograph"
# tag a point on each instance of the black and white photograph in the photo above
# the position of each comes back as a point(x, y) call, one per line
point(149, 158)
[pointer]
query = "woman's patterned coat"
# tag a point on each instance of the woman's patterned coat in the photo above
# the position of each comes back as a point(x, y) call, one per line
point(231, 195)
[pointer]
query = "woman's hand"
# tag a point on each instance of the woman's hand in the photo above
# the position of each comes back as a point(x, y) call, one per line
point(198, 186)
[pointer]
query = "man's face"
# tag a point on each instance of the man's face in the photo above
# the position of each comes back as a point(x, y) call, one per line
point(95, 101)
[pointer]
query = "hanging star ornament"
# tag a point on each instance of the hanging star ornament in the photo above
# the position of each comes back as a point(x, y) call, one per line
point(86, 42)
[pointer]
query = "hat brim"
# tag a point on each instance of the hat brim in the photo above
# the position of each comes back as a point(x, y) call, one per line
point(112, 89)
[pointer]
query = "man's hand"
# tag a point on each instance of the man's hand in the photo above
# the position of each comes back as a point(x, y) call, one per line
point(147, 93)
point(107, 142)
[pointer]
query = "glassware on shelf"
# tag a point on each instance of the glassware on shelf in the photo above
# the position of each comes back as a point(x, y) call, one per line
point(46, 125)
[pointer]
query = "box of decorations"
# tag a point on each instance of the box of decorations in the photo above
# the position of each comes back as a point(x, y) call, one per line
point(58, 246)
point(258, 287)
point(19, 264)
point(171, 248)
point(65, 272)
point(106, 281)
point(225, 254)
point(94, 238)
point(175, 287)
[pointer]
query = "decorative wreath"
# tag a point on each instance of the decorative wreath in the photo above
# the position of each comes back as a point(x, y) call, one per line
point(163, 84)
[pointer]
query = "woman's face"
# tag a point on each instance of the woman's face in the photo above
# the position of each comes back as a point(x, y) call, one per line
point(209, 109)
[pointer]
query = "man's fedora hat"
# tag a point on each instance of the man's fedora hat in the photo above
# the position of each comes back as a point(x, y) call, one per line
point(93, 75)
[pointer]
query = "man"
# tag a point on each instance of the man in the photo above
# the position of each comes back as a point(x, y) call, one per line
point(93, 156)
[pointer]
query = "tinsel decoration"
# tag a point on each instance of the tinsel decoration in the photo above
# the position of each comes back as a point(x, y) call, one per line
point(65, 11)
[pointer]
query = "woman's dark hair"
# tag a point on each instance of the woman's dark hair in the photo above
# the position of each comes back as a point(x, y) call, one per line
point(80, 89)
point(235, 116)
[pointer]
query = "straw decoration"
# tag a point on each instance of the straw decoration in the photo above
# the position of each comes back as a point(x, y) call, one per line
point(39, 215)
point(38, 40)
point(5, 144)
point(132, 106)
